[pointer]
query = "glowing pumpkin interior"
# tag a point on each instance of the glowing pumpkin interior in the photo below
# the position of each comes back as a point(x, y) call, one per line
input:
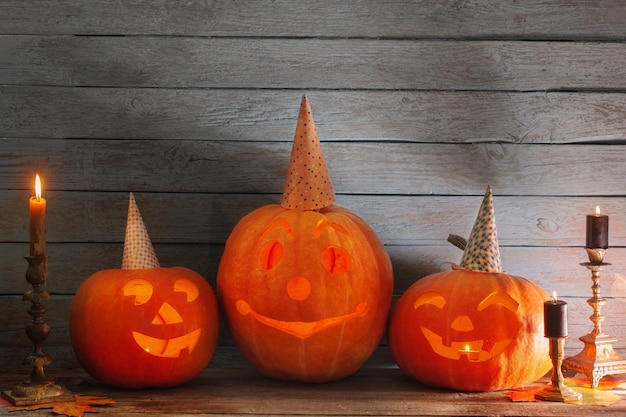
point(458, 336)
point(142, 291)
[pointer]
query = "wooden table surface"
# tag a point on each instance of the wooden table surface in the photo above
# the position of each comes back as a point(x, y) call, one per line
point(244, 392)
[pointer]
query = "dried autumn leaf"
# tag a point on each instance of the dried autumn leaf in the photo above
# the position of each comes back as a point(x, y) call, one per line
point(77, 408)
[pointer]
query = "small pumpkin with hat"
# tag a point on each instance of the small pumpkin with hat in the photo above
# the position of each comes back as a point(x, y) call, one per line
point(475, 327)
point(144, 325)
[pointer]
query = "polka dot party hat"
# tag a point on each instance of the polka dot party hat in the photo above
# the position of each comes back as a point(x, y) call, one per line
point(307, 186)
point(482, 252)
point(138, 250)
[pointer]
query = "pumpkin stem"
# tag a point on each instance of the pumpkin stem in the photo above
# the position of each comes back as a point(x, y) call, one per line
point(458, 241)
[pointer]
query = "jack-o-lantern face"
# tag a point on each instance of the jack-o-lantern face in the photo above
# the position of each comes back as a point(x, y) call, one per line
point(278, 242)
point(144, 327)
point(456, 335)
point(470, 331)
point(304, 281)
point(143, 291)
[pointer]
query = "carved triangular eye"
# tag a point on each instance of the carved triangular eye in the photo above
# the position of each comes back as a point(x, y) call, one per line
point(140, 289)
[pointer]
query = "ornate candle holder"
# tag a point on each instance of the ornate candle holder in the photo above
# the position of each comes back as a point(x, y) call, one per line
point(597, 358)
point(558, 391)
point(38, 388)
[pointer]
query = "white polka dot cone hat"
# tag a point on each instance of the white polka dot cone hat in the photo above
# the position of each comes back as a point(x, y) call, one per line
point(307, 186)
point(138, 250)
point(482, 252)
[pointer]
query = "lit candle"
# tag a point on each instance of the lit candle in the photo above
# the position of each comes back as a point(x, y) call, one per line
point(471, 354)
point(37, 222)
point(597, 230)
point(555, 317)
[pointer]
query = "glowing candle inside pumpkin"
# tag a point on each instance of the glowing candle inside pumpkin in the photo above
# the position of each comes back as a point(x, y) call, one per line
point(37, 221)
point(555, 317)
point(471, 354)
point(597, 230)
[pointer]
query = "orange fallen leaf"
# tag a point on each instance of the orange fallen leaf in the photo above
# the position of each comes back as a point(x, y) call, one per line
point(82, 404)
point(525, 393)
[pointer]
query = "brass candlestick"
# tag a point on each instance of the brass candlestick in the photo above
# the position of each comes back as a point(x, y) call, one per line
point(597, 358)
point(38, 388)
point(558, 391)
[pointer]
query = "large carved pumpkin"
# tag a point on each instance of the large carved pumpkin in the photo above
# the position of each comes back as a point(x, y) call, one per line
point(305, 293)
point(474, 328)
point(305, 286)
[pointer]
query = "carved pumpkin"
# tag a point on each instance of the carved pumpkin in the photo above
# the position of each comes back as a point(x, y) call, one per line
point(472, 330)
point(136, 328)
point(144, 326)
point(305, 293)
point(305, 287)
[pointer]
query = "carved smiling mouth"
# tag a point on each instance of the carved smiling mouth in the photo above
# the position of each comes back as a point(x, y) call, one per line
point(167, 348)
point(301, 329)
point(480, 352)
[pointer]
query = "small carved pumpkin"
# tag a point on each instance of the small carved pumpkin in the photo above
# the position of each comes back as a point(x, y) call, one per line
point(143, 325)
point(305, 286)
point(137, 328)
point(470, 331)
point(474, 328)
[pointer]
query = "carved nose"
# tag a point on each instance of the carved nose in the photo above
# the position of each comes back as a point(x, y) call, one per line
point(462, 324)
point(299, 288)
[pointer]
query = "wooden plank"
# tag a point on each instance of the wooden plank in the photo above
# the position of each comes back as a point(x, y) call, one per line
point(369, 392)
point(72, 263)
point(239, 392)
point(553, 268)
point(362, 18)
point(399, 220)
point(372, 392)
point(269, 115)
point(311, 63)
point(356, 167)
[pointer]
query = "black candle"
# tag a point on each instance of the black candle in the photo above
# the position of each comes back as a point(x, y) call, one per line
point(555, 318)
point(597, 230)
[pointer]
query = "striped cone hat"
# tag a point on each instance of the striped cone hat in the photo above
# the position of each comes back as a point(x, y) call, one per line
point(482, 252)
point(307, 186)
point(138, 250)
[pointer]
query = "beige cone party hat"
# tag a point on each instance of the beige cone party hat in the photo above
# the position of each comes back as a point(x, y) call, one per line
point(482, 252)
point(138, 250)
point(307, 186)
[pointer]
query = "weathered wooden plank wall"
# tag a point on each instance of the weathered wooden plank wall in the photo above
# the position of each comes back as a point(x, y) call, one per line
point(420, 105)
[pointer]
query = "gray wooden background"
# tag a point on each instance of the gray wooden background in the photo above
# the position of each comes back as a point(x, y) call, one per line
point(420, 105)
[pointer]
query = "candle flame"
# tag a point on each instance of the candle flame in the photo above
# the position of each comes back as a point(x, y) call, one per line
point(554, 296)
point(37, 187)
point(597, 210)
point(467, 348)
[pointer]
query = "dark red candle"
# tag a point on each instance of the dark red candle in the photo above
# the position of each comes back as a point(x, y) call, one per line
point(597, 230)
point(555, 318)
